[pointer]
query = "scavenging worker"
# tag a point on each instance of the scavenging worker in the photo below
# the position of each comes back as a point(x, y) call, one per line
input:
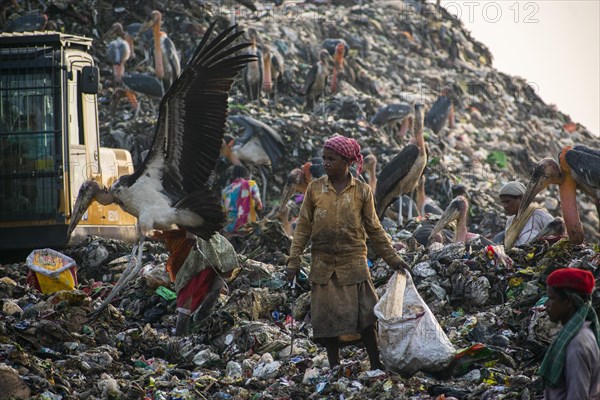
point(571, 366)
point(337, 214)
point(536, 219)
point(198, 269)
point(240, 200)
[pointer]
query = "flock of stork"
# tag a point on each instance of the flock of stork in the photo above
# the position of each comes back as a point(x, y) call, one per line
point(170, 188)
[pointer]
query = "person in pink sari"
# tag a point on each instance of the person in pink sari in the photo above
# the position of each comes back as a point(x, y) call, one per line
point(241, 200)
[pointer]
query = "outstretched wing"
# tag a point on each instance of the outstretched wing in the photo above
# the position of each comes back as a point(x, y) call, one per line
point(192, 115)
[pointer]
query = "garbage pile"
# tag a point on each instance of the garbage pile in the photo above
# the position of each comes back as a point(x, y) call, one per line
point(257, 342)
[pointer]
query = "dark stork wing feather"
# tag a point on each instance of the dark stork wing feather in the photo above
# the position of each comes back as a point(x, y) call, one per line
point(248, 4)
point(277, 62)
point(438, 114)
point(310, 79)
point(585, 164)
point(587, 150)
point(149, 85)
point(395, 171)
point(397, 111)
point(172, 56)
point(270, 139)
point(249, 129)
point(192, 116)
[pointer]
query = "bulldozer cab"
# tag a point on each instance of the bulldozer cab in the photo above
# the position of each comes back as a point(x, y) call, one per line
point(49, 141)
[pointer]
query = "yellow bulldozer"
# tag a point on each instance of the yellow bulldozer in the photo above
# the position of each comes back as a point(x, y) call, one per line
point(49, 143)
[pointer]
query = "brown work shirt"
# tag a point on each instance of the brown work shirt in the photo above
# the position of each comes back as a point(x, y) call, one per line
point(338, 225)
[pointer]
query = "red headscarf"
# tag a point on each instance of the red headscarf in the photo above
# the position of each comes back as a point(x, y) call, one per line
point(572, 278)
point(347, 148)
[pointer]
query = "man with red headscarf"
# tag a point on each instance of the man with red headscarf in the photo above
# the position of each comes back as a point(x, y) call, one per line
point(337, 214)
point(571, 366)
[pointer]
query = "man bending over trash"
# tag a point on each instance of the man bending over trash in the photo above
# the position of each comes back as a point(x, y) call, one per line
point(571, 367)
point(198, 268)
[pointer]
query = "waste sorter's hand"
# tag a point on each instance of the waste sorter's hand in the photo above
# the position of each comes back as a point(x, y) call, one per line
point(400, 266)
point(291, 274)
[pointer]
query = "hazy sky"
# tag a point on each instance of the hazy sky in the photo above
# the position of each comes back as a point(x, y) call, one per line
point(553, 44)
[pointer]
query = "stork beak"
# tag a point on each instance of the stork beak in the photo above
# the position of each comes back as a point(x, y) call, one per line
point(294, 178)
point(286, 195)
point(145, 26)
point(546, 172)
point(452, 213)
point(226, 151)
point(109, 32)
point(86, 195)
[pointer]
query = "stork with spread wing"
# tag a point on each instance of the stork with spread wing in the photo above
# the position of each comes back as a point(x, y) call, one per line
point(169, 188)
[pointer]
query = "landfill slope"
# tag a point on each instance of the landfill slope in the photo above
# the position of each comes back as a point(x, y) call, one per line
point(399, 51)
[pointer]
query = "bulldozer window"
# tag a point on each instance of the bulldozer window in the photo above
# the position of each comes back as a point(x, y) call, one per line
point(27, 145)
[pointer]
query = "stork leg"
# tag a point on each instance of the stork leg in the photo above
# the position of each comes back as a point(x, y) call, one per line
point(264, 180)
point(129, 273)
point(598, 211)
point(400, 212)
point(410, 208)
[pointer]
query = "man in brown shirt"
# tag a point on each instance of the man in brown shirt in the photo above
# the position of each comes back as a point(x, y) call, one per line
point(337, 214)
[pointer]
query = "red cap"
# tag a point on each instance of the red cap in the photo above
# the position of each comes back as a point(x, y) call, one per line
point(572, 278)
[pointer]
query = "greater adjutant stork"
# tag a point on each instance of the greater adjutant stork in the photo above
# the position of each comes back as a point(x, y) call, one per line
point(395, 113)
point(148, 85)
point(168, 189)
point(260, 145)
point(370, 167)
point(119, 51)
point(338, 66)
point(298, 179)
point(273, 67)
point(338, 50)
point(253, 73)
point(456, 211)
point(441, 111)
point(578, 166)
point(167, 65)
point(402, 174)
point(316, 80)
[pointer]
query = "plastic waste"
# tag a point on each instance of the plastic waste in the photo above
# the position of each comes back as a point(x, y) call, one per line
point(413, 340)
point(165, 293)
point(51, 271)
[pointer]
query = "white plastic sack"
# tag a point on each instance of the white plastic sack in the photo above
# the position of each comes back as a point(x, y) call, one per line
point(411, 340)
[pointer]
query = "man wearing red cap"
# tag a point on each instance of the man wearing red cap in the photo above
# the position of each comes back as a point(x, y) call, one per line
point(571, 366)
point(337, 215)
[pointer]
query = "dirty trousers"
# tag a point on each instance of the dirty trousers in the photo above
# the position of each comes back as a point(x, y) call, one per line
point(342, 310)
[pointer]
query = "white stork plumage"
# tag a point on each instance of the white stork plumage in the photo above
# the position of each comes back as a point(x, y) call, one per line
point(169, 187)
